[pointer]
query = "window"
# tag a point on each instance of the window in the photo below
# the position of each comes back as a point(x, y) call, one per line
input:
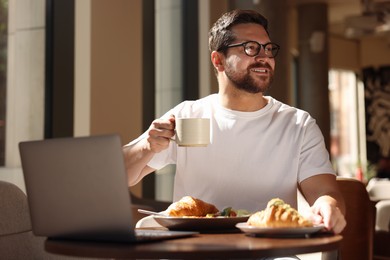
point(3, 75)
point(348, 150)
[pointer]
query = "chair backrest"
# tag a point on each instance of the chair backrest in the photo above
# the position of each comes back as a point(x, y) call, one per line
point(379, 189)
point(358, 236)
point(16, 238)
point(14, 217)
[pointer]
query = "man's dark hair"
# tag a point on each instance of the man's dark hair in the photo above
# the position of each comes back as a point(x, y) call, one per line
point(220, 35)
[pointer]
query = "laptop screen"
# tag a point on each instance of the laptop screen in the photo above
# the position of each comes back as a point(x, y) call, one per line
point(77, 186)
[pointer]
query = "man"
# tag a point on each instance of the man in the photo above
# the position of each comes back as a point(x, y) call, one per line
point(260, 148)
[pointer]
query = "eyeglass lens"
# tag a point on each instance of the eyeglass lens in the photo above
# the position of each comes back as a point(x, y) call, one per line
point(253, 49)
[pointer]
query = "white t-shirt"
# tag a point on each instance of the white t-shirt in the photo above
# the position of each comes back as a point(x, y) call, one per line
point(252, 158)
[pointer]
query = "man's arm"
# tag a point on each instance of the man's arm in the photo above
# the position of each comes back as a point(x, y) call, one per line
point(326, 201)
point(138, 155)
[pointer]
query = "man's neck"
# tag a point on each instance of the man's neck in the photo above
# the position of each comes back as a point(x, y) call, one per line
point(240, 100)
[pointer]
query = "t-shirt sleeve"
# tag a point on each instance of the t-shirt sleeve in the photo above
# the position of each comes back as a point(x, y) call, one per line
point(314, 157)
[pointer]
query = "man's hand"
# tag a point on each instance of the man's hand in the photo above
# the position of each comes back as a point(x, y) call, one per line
point(327, 203)
point(138, 155)
point(327, 214)
point(160, 133)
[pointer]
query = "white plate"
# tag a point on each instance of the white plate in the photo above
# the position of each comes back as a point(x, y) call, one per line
point(280, 232)
point(200, 223)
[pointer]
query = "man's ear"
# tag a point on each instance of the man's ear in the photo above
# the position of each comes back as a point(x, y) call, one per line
point(216, 59)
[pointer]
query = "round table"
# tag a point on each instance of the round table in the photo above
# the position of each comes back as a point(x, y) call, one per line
point(233, 245)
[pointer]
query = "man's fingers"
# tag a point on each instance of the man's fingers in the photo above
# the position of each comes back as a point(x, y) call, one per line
point(164, 123)
point(166, 133)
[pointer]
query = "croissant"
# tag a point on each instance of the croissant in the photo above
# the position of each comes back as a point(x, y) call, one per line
point(189, 206)
point(278, 214)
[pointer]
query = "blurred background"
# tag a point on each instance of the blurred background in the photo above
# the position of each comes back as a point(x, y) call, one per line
point(91, 67)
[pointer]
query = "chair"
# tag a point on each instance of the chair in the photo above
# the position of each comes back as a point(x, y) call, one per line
point(16, 238)
point(382, 231)
point(358, 236)
point(379, 189)
point(383, 215)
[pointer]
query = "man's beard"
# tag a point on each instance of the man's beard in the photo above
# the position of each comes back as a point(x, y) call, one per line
point(247, 83)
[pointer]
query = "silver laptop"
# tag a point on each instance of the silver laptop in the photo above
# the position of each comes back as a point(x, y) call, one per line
point(77, 189)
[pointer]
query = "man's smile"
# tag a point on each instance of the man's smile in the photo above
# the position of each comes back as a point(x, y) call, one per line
point(260, 70)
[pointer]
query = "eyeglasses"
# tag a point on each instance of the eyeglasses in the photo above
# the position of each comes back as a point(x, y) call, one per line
point(253, 48)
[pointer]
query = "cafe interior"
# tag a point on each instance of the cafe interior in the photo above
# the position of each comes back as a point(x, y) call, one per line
point(80, 68)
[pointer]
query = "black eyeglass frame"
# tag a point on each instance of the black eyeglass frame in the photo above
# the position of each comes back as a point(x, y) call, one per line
point(243, 44)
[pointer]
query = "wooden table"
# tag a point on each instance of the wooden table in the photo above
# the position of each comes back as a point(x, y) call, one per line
point(232, 245)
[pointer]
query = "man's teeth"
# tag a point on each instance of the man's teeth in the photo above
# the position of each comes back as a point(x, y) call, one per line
point(260, 70)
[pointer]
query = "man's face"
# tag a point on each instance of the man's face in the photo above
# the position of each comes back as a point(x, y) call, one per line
point(251, 74)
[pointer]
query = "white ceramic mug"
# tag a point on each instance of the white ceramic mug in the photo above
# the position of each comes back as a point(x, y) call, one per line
point(192, 132)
